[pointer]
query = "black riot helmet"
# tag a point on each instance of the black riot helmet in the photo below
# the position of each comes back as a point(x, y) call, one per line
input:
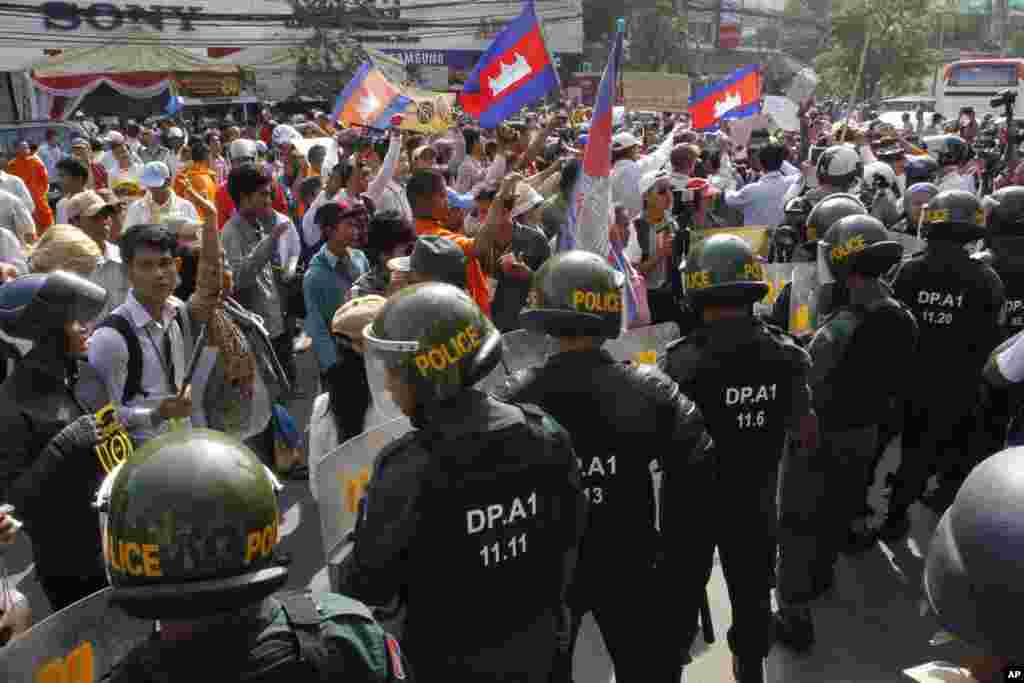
point(839, 166)
point(436, 338)
point(189, 524)
point(796, 211)
point(38, 306)
point(921, 169)
point(947, 149)
point(829, 210)
point(575, 294)
point(953, 216)
point(971, 574)
point(858, 244)
point(723, 270)
point(1005, 212)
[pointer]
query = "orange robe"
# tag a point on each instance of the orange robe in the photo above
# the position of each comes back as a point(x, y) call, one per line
point(33, 171)
point(204, 181)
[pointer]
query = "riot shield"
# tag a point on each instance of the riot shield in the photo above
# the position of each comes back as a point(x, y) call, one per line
point(341, 480)
point(803, 300)
point(777, 275)
point(79, 644)
point(643, 345)
point(521, 349)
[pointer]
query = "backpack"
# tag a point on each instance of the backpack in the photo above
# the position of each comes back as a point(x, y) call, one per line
point(124, 327)
point(319, 635)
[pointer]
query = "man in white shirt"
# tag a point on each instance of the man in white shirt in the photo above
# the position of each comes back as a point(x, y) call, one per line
point(16, 218)
point(18, 188)
point(386, 193)
point(149, 391)
point(90, 212)
point(630, 166)
point(762, 201)
point(160, 203)
point(50, 153)
point(73, 177)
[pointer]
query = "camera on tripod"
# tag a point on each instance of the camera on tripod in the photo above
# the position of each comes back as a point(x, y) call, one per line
point(1003, 98)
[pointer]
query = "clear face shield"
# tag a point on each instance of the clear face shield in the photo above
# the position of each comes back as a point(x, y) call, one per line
point(382, 358)
point(825, 276)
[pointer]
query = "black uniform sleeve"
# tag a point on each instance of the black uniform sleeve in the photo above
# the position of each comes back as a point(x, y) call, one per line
point(801, 381)
point(995, 311)
point(678, 418)
point(388, 518)
point(67, 457)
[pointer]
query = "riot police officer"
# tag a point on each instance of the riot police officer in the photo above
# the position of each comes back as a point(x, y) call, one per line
point(921, 169)
point(190, 523)
point(958, 303)
point(822, 217)
point(1004, 240)
point(750, 381)
point(838, 170)
point(973, 564)
point(49, 388)
point(621, 418)
point(475, 516)
point(1004, 251)
point(869, 334)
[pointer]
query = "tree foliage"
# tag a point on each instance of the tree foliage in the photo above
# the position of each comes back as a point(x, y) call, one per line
point(330, 56)
point(656, 35)
point(898, 56)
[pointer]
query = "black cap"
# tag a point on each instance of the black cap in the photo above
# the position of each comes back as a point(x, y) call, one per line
point(436, 258)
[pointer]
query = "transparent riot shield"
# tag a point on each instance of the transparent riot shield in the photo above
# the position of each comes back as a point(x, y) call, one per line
point(777, 275)
point(643, 345)
point(803, 300)
point(341, 480)
point(79, 644)
point(521, 349)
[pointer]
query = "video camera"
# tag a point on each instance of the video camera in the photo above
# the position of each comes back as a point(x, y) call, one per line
point(1003, 98)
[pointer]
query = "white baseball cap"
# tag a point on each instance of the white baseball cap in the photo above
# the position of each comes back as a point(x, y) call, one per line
point(175, 132)
point(527, 199)
point(155, 174)
point(284, 134)
point(242, 149)
point(624, 140)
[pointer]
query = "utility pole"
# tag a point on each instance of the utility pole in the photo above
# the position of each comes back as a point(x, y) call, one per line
point(942, 36)
point(683, 14)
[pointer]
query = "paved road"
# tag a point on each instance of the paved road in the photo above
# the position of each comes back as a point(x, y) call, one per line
point(869, 629)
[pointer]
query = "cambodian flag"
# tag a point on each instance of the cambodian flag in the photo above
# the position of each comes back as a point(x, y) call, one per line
point(590, 204)
point(736, 96)
point(516, 71)
point(369, 100)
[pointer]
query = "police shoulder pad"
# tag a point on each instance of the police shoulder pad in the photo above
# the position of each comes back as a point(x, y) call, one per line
point(397, 447)
point(779, 334)
point(653, 383)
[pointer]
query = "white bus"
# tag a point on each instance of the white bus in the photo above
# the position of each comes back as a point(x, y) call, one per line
point(973, 82)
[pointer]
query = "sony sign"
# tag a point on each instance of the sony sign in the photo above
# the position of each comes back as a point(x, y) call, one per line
point(101, 16)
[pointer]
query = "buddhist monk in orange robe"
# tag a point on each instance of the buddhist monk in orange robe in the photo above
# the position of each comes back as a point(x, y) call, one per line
point(33, 171)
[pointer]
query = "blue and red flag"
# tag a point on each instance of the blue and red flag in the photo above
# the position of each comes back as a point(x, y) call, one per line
point(516, 71)
point(369, 100)
point(736, 96)
point(590, 203)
